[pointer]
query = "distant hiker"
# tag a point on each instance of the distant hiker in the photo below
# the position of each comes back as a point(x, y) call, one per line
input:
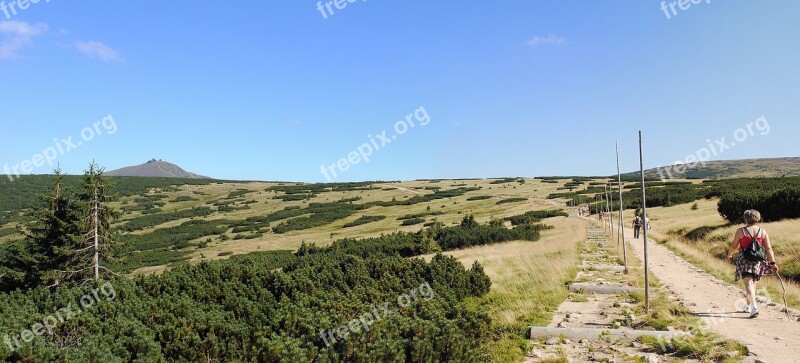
point(756, 257)
point(637, 226)
point(647, 224)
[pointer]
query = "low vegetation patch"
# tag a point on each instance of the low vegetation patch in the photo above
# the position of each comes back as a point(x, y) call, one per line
point(364, 220)
point(420, 215)
point(508, 180)
point(512, 200)
point(536, 216)
point(155, 219)
point(412, 221)
point(146, 315)
point(182, 198)
point(470, 233)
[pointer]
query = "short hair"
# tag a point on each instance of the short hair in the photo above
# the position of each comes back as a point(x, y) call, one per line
point(752, 216)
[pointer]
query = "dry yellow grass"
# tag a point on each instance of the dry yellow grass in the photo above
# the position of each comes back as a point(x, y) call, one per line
point(528, 282)
point(528, 277)
point(452, 210)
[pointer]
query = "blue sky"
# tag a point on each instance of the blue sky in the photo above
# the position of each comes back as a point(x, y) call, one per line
point(272, 90)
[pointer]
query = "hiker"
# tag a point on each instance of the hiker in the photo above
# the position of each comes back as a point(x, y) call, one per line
point(754, 260)
point(637, 226)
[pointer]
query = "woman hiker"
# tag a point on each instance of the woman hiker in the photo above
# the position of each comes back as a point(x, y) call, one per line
point(746, 269)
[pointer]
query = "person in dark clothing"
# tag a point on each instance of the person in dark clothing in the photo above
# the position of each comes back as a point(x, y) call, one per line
point(637, 226)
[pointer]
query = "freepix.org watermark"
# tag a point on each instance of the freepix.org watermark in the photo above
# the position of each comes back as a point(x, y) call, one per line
point(364, 323)
point(717, 147)
point(12, 8)
point(326, 8)
point(376, 143)
point(61, 147)
point(670, 10)
point(49, 323)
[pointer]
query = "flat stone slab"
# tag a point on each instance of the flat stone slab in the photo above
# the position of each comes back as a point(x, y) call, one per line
point(614, 268)
point(603, 289)
point(594, 255)
point(626, 335)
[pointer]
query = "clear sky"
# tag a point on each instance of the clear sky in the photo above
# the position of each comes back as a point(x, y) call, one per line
point(273, 90)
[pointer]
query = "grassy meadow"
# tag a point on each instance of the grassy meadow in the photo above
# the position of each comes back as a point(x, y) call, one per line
point(528, 280)
point(179, 224)
point(167, 226)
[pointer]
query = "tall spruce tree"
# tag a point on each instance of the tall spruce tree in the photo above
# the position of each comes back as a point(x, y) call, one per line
point(97, 239)
point(43, 256)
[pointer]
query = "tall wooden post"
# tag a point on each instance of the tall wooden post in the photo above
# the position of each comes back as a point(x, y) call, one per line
point(621, 234)
point(644, 221)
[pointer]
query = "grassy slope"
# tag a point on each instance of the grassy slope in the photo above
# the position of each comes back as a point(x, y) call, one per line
point(453, 208)
point(751, 168)
point(528, 277)
point(527, 282)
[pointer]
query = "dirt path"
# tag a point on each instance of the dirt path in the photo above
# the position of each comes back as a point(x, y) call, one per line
point(771, 337)
point(403, 189)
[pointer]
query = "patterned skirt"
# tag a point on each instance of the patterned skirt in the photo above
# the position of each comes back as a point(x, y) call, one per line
point(752, 269)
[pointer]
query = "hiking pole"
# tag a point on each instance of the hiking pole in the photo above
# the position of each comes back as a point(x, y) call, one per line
point(783, 286)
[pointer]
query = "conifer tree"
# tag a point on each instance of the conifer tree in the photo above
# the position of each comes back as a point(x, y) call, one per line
point(44, 254)
point(97, 239)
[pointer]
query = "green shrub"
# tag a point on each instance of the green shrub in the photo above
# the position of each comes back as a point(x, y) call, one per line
point(245, 309)
point(413, 221)
point(505, 181)
point(774, 205)
point(512, 200)
point(536, 216)
point(420, 215)
point(155, 219)
point(364, 220)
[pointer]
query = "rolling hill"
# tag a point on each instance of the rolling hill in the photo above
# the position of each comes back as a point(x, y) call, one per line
point(726, 169)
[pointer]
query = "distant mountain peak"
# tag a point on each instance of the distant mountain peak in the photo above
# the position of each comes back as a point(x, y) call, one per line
point(156, 168)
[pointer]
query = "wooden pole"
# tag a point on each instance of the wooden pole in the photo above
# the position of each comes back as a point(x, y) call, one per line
point(605, 208)
point(596, 205)
point(611, 211)
point(608, 209)
point(621, 234)
point(644, 217)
